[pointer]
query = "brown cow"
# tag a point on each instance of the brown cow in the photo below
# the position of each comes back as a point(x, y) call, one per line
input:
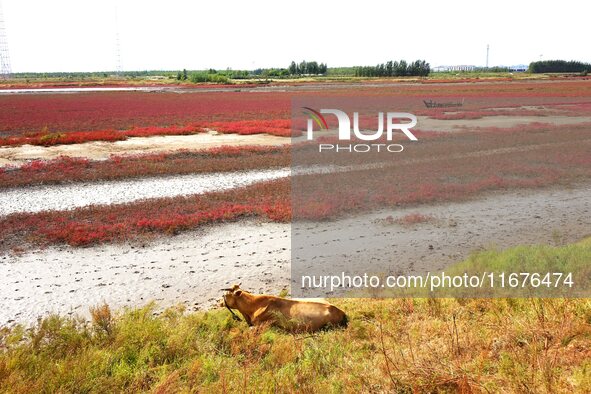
point(289, 314)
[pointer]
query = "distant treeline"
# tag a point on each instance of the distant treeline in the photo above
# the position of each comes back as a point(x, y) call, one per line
point(303, 68)
point(295, 69)
point(395, 69)
point(559, 66)
point(309, 68)
point(210, 75)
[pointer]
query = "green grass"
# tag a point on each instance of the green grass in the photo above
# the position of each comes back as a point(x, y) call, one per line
point(539, 259)
point(391, 345)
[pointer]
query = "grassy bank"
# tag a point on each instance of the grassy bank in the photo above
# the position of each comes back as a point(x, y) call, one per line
point(168, 78)
point(399, 345)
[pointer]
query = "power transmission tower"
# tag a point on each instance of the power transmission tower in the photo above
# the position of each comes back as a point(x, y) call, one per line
point(117, 43)
point(5, 68)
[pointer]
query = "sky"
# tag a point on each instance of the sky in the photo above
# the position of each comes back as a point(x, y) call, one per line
point(75, 35)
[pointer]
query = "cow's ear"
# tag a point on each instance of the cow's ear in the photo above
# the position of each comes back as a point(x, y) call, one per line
point(238, 293)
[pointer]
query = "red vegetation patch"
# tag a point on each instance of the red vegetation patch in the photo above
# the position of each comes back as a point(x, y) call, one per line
point(453, 166)
point(448, 168)
point(64, 113)
point(66, 169)
point(49, 119)
point(77, 137)
point(278, 127)
point(467, 164)
point(92, 225)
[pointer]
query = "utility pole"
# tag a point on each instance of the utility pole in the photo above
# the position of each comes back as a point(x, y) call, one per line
point(5, 68)
point(487, 48)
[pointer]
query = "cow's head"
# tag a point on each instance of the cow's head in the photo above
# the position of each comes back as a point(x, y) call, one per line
point(231, 295)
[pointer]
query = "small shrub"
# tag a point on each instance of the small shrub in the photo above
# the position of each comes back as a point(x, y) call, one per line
point(51, 138)
point(102, 319)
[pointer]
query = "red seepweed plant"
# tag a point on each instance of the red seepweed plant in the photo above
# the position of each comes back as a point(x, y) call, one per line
point(220, 159)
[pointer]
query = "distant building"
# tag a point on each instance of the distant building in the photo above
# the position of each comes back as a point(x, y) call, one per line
point(519, 68)
point(462, 67)
point(439, 69)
